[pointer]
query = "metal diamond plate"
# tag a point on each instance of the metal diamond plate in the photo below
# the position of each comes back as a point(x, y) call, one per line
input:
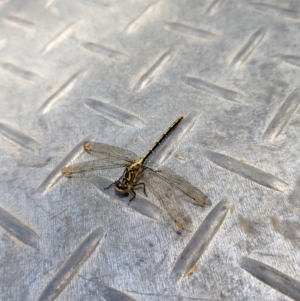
point(120, 72)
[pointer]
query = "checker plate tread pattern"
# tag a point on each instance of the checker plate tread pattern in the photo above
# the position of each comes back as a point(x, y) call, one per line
point(120, 72)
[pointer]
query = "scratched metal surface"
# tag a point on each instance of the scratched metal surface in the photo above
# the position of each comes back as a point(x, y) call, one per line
point(121, 72)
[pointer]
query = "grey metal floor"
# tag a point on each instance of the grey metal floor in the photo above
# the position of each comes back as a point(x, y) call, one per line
point(120, 72)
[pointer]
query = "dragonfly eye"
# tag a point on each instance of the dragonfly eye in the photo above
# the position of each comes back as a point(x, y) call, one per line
point(120, 185)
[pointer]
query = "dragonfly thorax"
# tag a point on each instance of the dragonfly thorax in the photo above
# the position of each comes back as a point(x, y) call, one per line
point(130, 176)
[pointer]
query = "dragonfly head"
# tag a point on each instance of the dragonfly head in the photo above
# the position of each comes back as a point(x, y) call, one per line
point(122, 187)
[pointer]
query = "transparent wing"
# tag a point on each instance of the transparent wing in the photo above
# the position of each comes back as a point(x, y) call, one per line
point(101, 150)
point(169, 176)
point(92, 165)
point(110, 157)
point(169, 198)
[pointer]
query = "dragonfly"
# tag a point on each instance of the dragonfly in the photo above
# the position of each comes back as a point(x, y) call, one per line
point(163, 183)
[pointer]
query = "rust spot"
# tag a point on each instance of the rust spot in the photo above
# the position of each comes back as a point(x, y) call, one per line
point(193, 271)
point(275, 223)
point(246, 225)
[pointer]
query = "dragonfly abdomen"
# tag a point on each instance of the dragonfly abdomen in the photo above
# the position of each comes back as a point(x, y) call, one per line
point(162, 138)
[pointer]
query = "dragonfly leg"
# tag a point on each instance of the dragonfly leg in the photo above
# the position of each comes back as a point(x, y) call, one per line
point(144, 187)
point(109, 186)
point(113, 183)
point(134, 195)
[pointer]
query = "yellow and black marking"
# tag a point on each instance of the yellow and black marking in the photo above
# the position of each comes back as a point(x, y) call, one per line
point(134, 170)
point(131, 179)
point(161, 139)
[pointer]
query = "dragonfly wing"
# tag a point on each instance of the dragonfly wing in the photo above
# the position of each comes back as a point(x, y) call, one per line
point(93, 165)
point(168, 198)
point(180, 183)
point(101, 150)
